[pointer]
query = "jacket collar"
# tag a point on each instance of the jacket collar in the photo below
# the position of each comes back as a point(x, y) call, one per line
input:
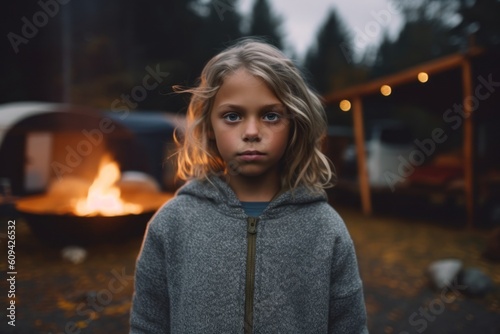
point(217, 191)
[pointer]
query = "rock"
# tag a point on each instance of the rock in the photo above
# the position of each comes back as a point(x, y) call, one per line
point(476, 283)
point(74, 254)
point(443, 272)
point(134, 181)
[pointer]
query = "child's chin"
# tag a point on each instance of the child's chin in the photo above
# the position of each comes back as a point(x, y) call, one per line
point(251, 173)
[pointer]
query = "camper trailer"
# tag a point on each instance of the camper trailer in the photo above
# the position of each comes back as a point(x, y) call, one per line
point(41, 143)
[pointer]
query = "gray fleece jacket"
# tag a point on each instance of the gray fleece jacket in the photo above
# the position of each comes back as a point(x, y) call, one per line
point(205, 267)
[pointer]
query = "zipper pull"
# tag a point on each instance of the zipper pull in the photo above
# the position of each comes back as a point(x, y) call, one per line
point(252, 225)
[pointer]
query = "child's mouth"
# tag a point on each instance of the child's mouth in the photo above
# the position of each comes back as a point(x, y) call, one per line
point(251, 155)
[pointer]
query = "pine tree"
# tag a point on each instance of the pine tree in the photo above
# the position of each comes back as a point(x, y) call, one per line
point(424, 36)
point(221, 27)
point(480, 22)
point(330, 60)
point(265, 24)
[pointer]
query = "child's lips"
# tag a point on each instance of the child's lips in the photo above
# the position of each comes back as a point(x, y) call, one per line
point(251, 152)
point(251, 155)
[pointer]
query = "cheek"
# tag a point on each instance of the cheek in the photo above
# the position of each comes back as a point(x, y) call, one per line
point(221, 134)
point(280, 141)
point(223, 143)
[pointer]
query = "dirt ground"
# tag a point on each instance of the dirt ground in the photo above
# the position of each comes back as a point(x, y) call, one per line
point(394, 254)
point(56, 296)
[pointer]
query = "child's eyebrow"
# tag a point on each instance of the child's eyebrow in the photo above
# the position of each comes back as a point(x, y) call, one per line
point(238, 107)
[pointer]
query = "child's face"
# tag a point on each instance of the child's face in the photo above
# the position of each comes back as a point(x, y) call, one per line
point(250, 126)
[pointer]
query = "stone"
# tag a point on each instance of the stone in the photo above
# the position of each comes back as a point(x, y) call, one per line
point(74, 254)
point(476, 283)
point(443, 272)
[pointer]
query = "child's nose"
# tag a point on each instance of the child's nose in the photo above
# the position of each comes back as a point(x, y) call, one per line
point(251, 130)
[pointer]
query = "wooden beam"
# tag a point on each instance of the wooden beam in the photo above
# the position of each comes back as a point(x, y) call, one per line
point(468, 145)
point(405, 76)
point(361, 156)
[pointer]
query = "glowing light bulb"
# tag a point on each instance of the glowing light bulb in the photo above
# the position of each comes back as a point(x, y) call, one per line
point(423, 77)
point(386, 90)
point(345, 105)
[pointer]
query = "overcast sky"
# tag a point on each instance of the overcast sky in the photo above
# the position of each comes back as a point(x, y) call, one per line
point(366, 19)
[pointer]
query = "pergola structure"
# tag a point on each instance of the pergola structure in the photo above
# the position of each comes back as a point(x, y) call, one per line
point(451, 69)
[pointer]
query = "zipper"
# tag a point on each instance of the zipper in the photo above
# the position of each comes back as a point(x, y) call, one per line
point(250, 274)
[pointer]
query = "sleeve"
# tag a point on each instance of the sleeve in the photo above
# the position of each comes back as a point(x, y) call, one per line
point(347, 312)
point(150, 303)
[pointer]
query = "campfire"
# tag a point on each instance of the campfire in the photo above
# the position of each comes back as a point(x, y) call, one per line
point(104, 197)
point(113, 203)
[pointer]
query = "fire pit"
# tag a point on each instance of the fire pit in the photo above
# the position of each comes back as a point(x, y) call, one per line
point(109, 209)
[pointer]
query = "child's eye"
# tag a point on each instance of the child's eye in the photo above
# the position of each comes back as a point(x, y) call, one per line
point(231, 117)
point(272, 117)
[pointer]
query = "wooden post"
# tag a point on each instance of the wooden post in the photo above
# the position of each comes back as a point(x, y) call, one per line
point(468, 144)
point(359, 137)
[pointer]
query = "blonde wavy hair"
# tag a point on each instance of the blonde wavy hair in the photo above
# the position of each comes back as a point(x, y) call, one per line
point(198, 157)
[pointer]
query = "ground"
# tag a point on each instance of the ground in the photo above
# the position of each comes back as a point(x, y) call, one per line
point(394, 254)
point(56, 296)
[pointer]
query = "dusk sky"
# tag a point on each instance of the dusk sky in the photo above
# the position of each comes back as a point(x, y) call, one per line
point(302, 19)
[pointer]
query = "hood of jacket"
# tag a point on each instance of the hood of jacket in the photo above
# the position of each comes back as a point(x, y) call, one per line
point(216, 190)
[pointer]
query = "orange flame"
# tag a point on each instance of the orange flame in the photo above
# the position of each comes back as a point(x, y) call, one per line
point(103, 196)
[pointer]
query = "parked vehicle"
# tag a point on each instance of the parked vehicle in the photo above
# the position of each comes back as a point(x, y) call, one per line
point(41, 142)
point(386, 142)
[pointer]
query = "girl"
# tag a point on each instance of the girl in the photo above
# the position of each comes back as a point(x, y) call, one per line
point(250, 244)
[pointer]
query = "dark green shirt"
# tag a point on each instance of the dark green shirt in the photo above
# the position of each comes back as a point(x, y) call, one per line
point(254, 209)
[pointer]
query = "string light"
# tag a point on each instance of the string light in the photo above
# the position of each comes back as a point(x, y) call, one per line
point(423, 77)
point(386, 90)
point(345, 105)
